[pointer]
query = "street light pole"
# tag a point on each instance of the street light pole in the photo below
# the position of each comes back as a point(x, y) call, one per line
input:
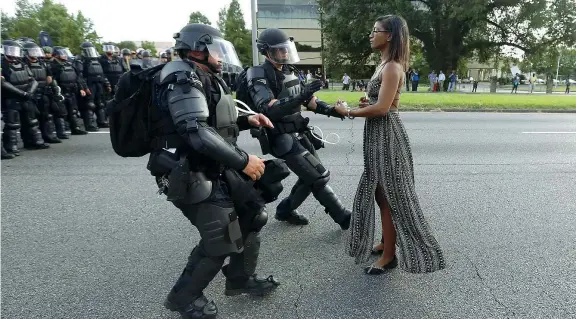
point(321, 12)
point(558, 66)
point(254, 5)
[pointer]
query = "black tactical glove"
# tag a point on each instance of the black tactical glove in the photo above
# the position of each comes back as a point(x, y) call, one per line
point(309, 90)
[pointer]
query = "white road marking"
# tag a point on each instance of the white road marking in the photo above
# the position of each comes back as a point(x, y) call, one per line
point(548, 132)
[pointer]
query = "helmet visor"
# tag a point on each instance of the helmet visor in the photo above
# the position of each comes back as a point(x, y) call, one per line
point(35, 53)
point(63, 53)
point(283, 53)
point(12, 51)
point(108, 48)
point(224, 51)
point(90, 52)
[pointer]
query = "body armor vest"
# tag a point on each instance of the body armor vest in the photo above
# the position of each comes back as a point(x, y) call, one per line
point(112, 68)
point(67, 76)
point(225, 116)
point(291, 86)
point(293, 123)
point(19, 76)
point(40, 75)
point(93, 71)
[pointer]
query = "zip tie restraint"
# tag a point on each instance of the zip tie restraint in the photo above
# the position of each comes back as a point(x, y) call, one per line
point(246, 109)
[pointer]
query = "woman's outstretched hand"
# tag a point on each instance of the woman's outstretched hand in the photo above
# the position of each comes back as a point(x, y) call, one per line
point(363, 102)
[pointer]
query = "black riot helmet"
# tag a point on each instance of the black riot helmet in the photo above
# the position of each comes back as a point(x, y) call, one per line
point(88, 50)
point(205, 38)
point(32, 51)
point(125, 52)
point(62, 53)
point(277, 46)
point(146, 54)
point(12, 50)
point(109, 48)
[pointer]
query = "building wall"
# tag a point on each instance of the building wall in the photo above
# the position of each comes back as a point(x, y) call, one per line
point(300, 20)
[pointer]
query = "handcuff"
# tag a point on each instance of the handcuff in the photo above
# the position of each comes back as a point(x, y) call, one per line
point(347, 110)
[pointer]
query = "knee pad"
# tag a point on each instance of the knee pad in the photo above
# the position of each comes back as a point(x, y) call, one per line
point(219, 229)
point(282, 145)
point(91, 106)
point(308, 168)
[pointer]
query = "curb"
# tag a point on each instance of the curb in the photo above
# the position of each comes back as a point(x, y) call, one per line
point(410, 109)
point(415, 109)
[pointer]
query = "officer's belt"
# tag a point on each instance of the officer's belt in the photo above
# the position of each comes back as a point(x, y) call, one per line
point(290, 124)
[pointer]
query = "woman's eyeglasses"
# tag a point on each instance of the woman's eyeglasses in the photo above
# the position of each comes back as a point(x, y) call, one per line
point(377, 31)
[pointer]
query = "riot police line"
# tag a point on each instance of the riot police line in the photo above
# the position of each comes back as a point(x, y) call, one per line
point(48, 92)
point(194, 128)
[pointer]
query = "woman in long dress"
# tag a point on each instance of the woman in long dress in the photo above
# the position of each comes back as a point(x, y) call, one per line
point(388, 176)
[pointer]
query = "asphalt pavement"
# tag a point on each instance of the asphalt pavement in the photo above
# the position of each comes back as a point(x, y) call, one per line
point(84, 234)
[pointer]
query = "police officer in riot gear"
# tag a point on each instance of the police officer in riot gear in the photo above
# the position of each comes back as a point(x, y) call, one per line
point(146, 59)
point(276, 91)
point(71, 82)
point(111, 65)
point(18, 109)
point(163, 57)
point(93, 74)
point(222, 206)
point(125, 60)
point(45, 99)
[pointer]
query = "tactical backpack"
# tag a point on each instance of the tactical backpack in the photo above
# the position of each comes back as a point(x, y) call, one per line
point(129, 113)
point(242, 89)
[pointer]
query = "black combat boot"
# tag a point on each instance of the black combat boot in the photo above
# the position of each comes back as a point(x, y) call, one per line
point(187, 297)
point(333, 206)
point(48, 129)
point(60, 125)
point(286, 210)
point(239, 273)
point(6, 155)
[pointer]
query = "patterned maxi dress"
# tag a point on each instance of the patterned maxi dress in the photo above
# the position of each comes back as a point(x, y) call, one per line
point(388, 162)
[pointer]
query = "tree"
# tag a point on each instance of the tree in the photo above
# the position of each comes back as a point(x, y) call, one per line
point(87, 30)
point(221, 23)
point(450, 30)
point(546, 62)
point(197, 17)
point(127, 45)
point(234, 30)
point(148, 45)
point(64, 29)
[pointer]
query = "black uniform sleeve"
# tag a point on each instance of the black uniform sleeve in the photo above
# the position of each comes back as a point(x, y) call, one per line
point(11, 88)
point(33, 83)
point(78, 67)
point(189, 110)
point(326, 109)
point(242, 123)
point(262, 95)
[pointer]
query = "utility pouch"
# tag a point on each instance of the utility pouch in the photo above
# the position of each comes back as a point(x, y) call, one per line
point(162, 162)
point(262, 136)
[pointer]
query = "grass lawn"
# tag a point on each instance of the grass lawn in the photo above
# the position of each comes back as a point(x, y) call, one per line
point(431, 101)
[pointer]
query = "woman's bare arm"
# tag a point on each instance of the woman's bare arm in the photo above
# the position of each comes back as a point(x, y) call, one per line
point(391, 76)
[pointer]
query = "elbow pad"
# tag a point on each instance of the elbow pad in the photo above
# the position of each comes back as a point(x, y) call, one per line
point(189, 111)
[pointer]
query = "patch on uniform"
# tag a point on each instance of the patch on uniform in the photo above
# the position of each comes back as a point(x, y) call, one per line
point(196, 81)
point(263, 81)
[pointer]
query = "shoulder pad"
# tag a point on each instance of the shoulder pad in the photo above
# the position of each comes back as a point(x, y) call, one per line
point(174, 67)
point(255, 73)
